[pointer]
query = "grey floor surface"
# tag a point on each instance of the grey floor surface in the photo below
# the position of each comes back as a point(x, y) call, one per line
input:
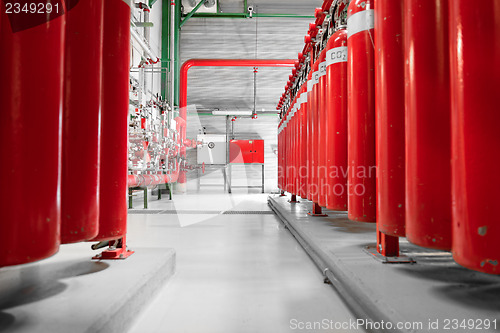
point(238, 272)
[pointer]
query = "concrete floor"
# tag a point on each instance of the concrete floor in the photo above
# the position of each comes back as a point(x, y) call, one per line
point(235, 273)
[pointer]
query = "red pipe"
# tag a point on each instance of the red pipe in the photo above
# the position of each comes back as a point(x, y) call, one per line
point(145, 180)
point(217, 63)
point(152, 180)
point(223, 63)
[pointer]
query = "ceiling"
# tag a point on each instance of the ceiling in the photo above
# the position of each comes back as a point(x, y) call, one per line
point(256, 38)
point(304, 7)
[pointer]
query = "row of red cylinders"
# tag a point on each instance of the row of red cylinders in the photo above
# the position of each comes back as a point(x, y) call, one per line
point(63, 127)
point(410, 118)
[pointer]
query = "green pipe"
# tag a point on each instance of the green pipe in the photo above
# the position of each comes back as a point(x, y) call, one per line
point(284, 15)
point(177, 49)
point(151, 3)
point(165, 45)
point(191, 13)
point(221, 15)
point(246, 15)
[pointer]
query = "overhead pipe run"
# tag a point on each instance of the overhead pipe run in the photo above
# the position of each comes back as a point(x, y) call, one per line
point(145, 47)
point(223, 63)
point(247, 15)
point(217, 63)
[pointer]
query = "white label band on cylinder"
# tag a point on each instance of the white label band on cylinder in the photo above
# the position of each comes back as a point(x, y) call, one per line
point(309, 85)
point(322, 69)
point(315, 77)
point(336, 55)
point(360, 21)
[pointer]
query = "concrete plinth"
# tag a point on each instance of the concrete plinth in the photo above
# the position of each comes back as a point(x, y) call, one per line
point(72, 293)
point(434, 294)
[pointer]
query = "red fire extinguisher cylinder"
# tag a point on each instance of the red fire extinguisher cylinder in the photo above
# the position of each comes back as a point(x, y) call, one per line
point(475, 70)
point(82, 103)
point(336, 107)
point(361, 118)
point(31, 91)
point(390, 111)
point(114, 125)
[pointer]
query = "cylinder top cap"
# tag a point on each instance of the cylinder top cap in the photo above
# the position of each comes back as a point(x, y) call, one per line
point(357, 6)
point(339, 38)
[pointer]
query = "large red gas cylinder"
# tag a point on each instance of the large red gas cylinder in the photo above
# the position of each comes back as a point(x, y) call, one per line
point(361, 117)
point(114, 122)
point(475, 31)
point(283, 133)
point(82, 103)
point(314, 131)
point(285, 147)
point(428, 137)
point(280, 155)
point(31, 88)
point(291, 152)
point(294, 140)
point(283, 170)
point(286, 156)
point(295, 143)
point(303, 142)
point(390, 112)
point(336, 108)
point(289, 149)
point(322, 130)
point(309, 137)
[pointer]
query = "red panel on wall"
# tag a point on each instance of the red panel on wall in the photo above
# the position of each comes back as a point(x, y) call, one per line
point(246, 151)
